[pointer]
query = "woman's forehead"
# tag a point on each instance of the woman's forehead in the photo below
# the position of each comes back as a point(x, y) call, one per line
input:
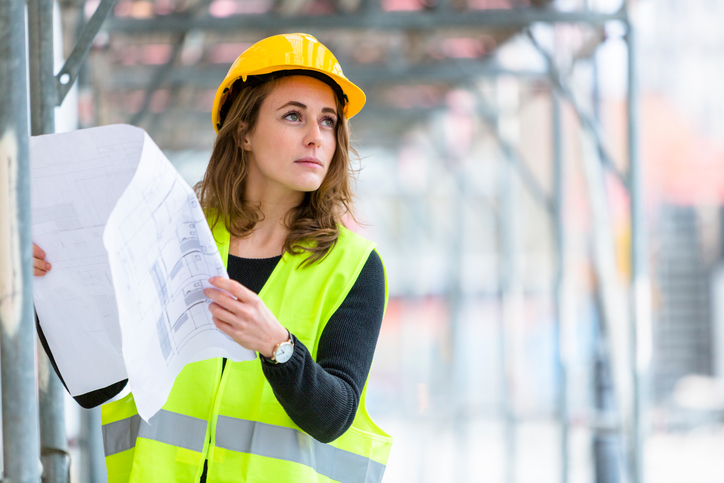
point(298, 87)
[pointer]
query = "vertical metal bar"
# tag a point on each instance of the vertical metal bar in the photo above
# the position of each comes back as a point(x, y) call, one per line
point(506, 219)
point(21, 449)
point(43, 94)
point(560, 290)
point(641, 330)
point(455, 370)
point(505, 372)
point(609, 290)
point(43, 99)
point(606, 442)
point(92, 462)
point(53, 440)
point(455, 298)
point(508, 295)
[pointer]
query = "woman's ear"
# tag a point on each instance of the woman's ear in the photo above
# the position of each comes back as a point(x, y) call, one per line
point(243, 137)
point(246, 142)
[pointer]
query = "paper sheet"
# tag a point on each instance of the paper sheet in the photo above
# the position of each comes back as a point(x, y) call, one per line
point(76, 180)
point(146, 289)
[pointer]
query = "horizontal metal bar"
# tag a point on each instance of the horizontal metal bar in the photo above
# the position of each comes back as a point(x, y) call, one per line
point(492, 18)
point(67, 75)
point(139, 77)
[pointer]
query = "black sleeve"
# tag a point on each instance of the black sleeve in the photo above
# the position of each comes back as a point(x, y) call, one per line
point(89, 399)
point(322, 397)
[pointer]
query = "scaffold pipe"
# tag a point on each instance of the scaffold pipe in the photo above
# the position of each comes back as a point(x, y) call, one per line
point(21, 449)
point(43, 99)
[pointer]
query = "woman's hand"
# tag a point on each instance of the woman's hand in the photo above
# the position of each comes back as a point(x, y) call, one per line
point(246, 320)
point(40, 266)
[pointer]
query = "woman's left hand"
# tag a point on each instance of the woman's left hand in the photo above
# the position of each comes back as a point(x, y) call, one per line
point(247, 320)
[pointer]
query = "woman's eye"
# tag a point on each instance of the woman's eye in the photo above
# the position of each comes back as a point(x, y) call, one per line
point(329, 122)
point(293, 116)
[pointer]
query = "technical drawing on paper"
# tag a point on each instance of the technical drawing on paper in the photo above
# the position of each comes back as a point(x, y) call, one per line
point(180, 288)
point(160, 245)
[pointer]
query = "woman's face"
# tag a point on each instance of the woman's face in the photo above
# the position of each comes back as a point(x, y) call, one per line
point(294, 140)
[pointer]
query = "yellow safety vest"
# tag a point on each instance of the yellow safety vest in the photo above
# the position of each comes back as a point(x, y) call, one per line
point(233, 418)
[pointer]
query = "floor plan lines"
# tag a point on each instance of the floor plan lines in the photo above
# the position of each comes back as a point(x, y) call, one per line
point(188, 239)
point(159, 281)
point(163, 337)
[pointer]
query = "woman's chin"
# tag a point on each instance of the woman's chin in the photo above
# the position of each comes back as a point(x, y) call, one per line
point(307, 185)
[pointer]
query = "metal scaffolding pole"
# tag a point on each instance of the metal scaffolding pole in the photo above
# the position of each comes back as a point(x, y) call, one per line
point(560, 286)
point(510, 297)
point(92, 463)
point(640, 328)
point(43, 99)
point(17, 346)
point(455, 297)
point(606, 440)
point(43, 91)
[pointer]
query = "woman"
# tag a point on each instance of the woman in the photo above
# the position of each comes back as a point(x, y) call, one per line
point(306, 294)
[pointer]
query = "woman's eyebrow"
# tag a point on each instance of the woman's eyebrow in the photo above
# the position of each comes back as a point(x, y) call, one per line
point(302, 106)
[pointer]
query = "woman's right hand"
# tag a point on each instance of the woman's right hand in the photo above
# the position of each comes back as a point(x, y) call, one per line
point(40, 266)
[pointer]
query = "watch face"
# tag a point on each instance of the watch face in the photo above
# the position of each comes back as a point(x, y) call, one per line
point(284, 352)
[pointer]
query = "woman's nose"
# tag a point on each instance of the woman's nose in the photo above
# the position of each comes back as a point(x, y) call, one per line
point(314, 135)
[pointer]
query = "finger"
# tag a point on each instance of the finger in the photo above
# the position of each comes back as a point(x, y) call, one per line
point(38, 253)
point(224, 327)
point(222, 313)
point(222, 298)
point(41, 265)
point(38, 273)
point(234, 288)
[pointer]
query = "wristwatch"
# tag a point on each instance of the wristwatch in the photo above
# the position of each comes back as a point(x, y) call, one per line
point(282, 352)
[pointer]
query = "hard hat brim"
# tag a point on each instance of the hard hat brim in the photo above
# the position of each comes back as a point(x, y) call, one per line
point(355, 96)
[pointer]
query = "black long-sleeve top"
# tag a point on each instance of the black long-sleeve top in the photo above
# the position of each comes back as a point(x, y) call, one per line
point(320, 396)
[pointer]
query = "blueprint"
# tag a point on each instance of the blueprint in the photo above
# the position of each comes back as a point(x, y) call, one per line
point(131, 254)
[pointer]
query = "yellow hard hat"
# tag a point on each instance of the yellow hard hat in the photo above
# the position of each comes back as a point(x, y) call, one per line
point(292, 52)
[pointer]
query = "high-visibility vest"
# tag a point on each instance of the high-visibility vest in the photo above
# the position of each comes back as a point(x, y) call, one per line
point(232, 418)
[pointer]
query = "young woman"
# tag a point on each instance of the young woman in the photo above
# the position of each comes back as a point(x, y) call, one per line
point(308, 294)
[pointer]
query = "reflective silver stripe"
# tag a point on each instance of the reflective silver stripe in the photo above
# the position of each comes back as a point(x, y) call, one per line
point(292, 445)
point(166, 426)
point(120, 435)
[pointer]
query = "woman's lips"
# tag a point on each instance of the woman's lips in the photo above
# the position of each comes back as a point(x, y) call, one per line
point(310, 162)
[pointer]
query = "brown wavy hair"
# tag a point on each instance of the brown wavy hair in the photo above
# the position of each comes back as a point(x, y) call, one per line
point(313, 224)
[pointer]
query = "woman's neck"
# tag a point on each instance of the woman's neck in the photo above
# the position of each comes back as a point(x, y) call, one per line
point(269, 234)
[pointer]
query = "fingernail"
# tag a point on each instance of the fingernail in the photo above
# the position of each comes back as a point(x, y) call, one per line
point(47, 266)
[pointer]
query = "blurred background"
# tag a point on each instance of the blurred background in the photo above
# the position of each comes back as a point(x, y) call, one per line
point(543, 180)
